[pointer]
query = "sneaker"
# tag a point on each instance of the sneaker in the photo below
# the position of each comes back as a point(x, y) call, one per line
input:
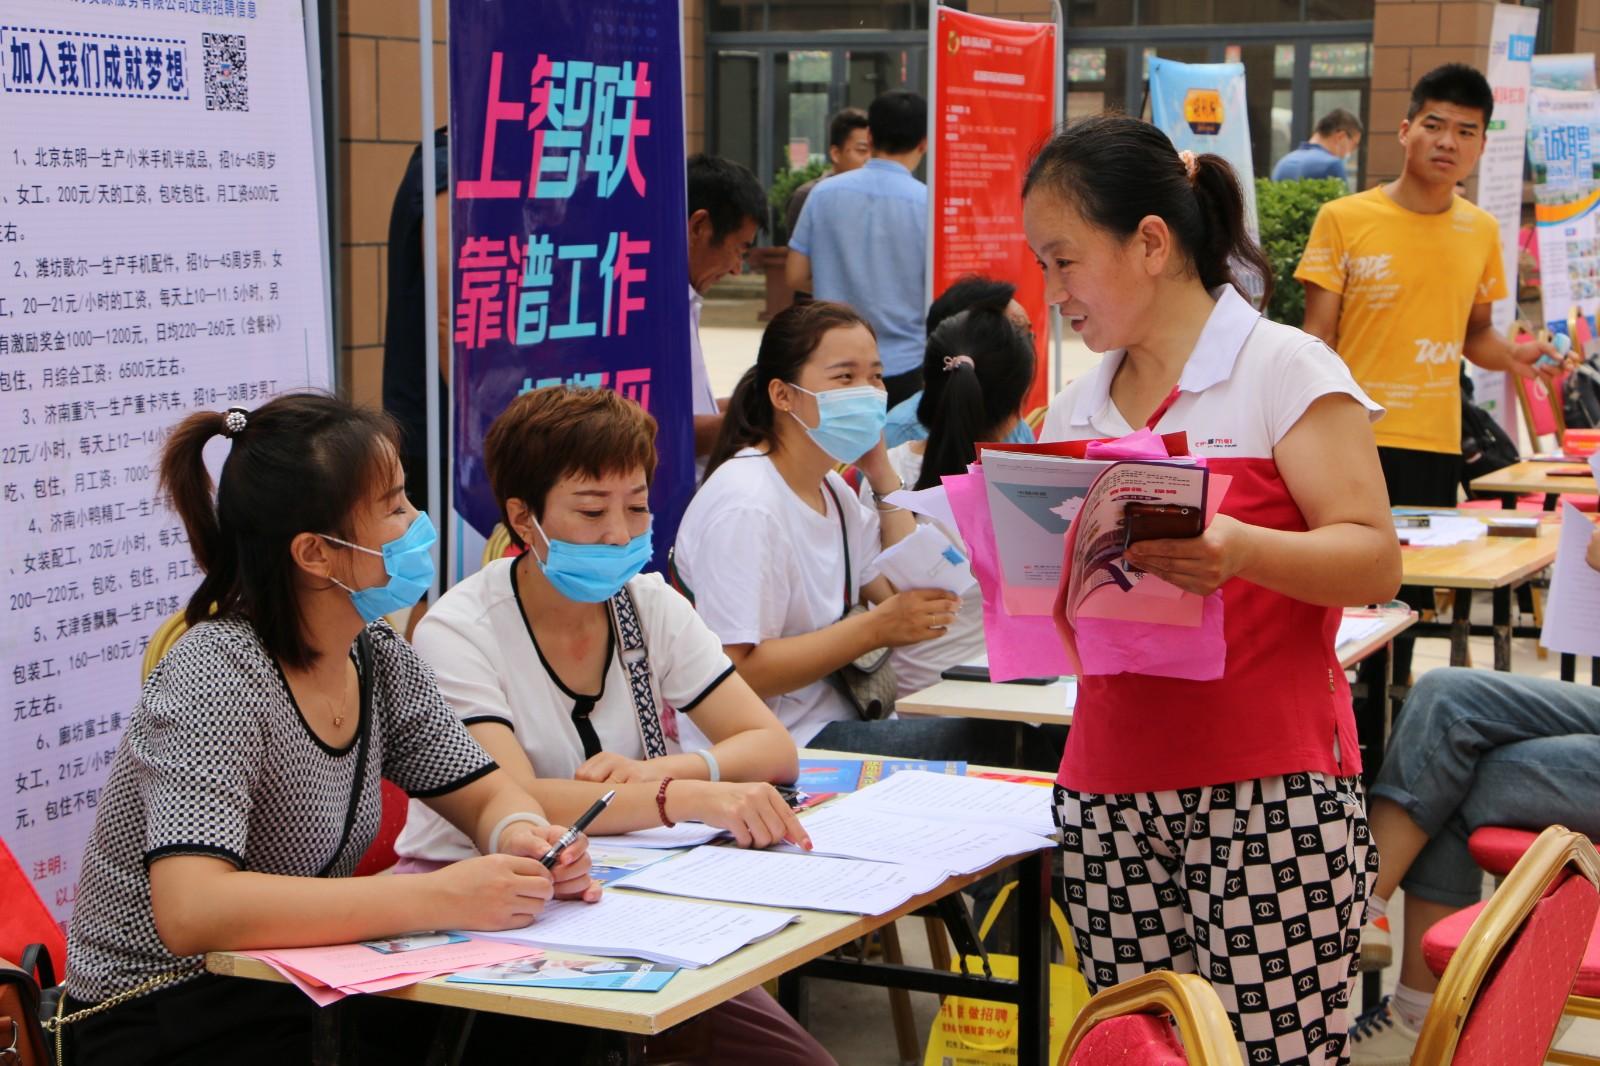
point(1380, 1038)
point(1376, 951)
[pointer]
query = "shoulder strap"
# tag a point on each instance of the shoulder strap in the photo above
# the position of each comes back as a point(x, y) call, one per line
point(365, 667)
point(844, 533)
point(636, 664)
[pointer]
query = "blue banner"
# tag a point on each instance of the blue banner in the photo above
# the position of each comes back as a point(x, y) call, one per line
point(568, 246)
point(1201, 108)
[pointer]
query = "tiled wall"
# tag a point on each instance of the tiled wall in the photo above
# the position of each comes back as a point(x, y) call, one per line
point(1409, 39)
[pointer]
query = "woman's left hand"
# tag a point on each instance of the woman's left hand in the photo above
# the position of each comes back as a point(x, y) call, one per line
point(571, 872)
point(1196, 564)
point(608, 767)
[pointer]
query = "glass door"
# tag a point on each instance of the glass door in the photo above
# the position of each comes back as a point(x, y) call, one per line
point(802, 93)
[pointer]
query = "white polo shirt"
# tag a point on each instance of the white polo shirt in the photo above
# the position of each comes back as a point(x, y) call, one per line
point(491, 669)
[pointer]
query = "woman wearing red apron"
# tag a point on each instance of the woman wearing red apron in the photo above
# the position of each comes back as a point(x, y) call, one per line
point(1217, 827)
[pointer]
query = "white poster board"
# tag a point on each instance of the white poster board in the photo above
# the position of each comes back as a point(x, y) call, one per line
point(1510, 74)
point(161, 253)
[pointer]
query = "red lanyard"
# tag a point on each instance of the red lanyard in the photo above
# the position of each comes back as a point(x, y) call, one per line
point(1166, 405)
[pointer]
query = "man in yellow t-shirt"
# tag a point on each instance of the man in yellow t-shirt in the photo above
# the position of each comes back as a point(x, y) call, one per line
point(1399, 281)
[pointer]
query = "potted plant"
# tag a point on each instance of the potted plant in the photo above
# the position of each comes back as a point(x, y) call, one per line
point(772, 259)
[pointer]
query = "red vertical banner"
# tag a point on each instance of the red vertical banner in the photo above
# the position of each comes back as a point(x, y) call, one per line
point(994, 105)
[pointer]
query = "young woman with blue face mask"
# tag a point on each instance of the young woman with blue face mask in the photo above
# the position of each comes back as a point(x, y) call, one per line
point(775, 541)
point(563, 661)
point(246, 785)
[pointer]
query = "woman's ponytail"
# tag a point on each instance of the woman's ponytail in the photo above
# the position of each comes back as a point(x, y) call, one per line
point(187, 484)
point(1227, 246)
point(746, 422)
point(1117, 171)
point(976, 370)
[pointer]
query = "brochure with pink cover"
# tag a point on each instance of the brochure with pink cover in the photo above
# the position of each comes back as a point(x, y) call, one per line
point(1114, 618)
point(328, 974)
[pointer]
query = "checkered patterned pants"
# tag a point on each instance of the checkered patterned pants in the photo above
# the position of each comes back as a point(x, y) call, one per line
point(1259, 886)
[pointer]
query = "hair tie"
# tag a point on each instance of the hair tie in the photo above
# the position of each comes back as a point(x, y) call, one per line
point(953, 361)
point(234, 421)
point(1190, 163)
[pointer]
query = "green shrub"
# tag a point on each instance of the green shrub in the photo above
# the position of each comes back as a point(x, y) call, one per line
point(1285, 211)
point(784, 183)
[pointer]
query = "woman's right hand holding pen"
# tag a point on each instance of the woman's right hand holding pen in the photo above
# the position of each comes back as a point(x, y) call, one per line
point(754, 813)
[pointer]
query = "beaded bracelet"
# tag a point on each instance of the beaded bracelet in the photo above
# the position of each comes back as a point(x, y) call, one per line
point(661, 803)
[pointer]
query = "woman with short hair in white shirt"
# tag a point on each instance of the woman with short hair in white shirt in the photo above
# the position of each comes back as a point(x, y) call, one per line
point(775, 544)
point(574, 670)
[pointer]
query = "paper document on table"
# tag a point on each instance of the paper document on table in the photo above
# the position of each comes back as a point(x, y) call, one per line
point(1572, 615)
point(680, 835)
point(926, 560)
point(775, 879)
point(959, 799)
point(1356, 628)
point(647, 927)
point(879, 836)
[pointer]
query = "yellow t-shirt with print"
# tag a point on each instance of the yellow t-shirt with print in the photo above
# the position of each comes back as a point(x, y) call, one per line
point(1408, 284)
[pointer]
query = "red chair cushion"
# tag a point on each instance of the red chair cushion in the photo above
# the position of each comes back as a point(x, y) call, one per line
point(1440, 942)
point(1131, 1040)
point(380, 854)
point(1497, 848)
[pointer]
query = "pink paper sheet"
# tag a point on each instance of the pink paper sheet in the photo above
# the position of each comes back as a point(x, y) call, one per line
point(1019, 646)
point(328, 974)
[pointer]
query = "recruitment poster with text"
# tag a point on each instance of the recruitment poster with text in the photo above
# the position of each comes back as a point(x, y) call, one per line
point(568, 229)
point(162, 254)
point(994, 104)
point(1563, 132)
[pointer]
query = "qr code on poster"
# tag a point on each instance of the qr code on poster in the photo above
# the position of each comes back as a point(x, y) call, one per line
point(227, 77)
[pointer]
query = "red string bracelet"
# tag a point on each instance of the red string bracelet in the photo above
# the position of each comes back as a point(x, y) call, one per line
point(661, 803)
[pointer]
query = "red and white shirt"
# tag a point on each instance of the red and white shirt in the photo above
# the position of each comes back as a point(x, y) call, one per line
point(1282, 704)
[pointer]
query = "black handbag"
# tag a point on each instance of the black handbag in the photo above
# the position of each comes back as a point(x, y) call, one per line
point(28, 993)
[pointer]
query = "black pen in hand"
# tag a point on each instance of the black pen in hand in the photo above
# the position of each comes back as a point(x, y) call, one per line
point(552, 856)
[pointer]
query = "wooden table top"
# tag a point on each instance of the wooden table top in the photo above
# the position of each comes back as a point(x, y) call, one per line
point(1486, 563)
point(689, 993)
point(1052, 704)
point(1533, 476)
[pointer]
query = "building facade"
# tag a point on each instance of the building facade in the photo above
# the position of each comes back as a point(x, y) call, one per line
point(762, 77)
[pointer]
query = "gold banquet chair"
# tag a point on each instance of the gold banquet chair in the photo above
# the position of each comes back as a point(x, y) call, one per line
point(498, 543)
point(1127, 1024)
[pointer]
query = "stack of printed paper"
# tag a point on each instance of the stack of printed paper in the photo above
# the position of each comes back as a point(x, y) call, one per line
point(643, 927)
point(777, 879)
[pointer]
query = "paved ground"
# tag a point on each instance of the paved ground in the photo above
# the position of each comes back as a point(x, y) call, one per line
point(853, 1021)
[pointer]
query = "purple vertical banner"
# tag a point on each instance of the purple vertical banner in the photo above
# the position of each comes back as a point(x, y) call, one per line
point(568, 245)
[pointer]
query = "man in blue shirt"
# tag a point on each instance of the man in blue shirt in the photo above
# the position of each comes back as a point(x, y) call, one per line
point(1338, 133)
point(862, 239)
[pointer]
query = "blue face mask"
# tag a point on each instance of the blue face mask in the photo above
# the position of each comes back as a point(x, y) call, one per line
point(409, 564)
point(849, 421)
point(592, 573)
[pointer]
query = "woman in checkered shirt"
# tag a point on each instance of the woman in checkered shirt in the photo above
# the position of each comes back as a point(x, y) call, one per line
point(246, 787)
